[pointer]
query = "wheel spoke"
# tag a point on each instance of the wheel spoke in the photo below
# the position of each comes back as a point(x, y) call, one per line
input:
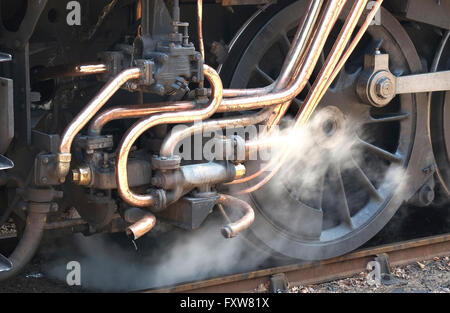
point(285, 43)
point(379, 151)
point(297, 102)
point(264, 75)
point(344, 210)
point(366, 181)
point(388, 118)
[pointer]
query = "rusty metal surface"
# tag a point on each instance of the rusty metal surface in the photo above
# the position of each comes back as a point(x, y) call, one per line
point(321, 271)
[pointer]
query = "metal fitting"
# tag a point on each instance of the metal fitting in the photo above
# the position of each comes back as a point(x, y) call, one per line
point(239, 170)
point(63, 165)
point(82, 175)
point(166, 163)
point(385, 88)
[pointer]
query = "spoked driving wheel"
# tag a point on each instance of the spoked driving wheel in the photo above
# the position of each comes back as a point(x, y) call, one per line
point(347, 177)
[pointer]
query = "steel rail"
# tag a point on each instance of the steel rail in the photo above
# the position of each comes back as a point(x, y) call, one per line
point(305, 273)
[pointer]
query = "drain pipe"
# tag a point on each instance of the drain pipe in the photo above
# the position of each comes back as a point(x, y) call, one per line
point(142, 222)
point(232, 229)
point(29, 243)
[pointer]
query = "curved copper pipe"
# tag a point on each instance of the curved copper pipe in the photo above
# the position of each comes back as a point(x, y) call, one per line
point(327, 21)
point(64, 157)
point(94, 105)
point(299, 43)
point(171, 141)
point(135, 111)
point(144, 124)
point(289, 70)
point(142, 222)
point(232, 229)
point(328, 75)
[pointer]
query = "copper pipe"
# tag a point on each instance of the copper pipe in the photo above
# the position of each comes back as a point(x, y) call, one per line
point(144, 124)
point(73, 70)
point(134, 111)
point(293, 58)
point(64, 157)
point(143, 222)
point(231, 93)
point(232, 229)
point(171, 141)
point(289, 69)
point(327, 21)
point(94, 105)
point(299, 43)
point(329, 73)
point(200, 27)
point(138, 10)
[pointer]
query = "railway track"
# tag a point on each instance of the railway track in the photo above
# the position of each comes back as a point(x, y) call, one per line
point(305, 273)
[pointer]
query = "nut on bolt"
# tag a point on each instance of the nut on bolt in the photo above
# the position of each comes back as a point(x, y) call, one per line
point(82, 175)
point(239, 171)
point(384, 88)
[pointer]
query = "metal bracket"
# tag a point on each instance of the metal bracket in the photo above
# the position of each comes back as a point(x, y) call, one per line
point(378, 86)
point(387, 278)
point(278, 283)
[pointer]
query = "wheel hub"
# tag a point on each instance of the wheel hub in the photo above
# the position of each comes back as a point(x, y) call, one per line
point(328, 126)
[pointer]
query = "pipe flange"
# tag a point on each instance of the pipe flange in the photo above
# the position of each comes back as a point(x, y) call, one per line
point(160, 200)
point(166, 163)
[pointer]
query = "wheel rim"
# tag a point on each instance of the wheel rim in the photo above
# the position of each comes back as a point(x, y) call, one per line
point(440, 123)
point(354, 201)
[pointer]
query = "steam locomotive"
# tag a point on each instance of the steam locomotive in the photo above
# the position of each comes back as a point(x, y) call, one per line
point(306, 123)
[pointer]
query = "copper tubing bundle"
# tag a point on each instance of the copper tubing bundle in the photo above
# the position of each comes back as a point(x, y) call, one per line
point(291, 65)
point(326, 23)
point(134, 111)
point(332, 67)
point(145, 124)
point(171, 141)
point(232, 229)
point(142, 222)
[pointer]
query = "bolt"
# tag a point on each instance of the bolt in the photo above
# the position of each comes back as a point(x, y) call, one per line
point(45, 160)
point(384, 88)
point(157, 181)
point(133, 86)
point(44, 180)
point(54, 207)
point(163, 58)
point(427, 195)
point(159, 89)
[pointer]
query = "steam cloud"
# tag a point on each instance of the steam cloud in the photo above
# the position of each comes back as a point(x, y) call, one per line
point(108, 266)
